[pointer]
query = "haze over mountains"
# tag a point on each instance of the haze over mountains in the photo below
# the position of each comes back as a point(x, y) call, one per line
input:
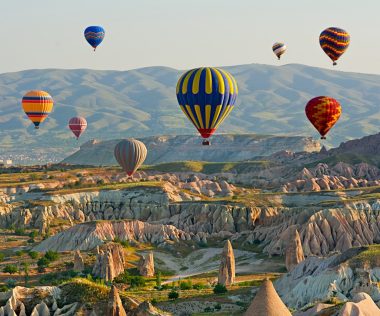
point(142, 102)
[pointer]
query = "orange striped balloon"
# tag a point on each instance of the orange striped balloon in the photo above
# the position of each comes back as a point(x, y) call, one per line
point(37, 105)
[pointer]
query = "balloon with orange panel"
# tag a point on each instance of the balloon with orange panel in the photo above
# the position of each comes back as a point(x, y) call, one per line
point(37, 105)
point(323, 112)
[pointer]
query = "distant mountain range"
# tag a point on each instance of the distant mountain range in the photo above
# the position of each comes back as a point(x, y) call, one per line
point(142, 102)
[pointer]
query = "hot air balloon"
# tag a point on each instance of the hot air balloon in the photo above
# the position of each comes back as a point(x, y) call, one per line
point(77, 125)
point(323, 112)
point(94, 35)
point(334, 42)
point(206, 96)
point(37, 105)
point(279, 49)
point(130, 154)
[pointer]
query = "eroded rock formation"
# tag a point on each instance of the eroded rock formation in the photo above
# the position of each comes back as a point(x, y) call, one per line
point(78, 262)
point(226, 274)
point(110, 262)
point(114, 305)
point(294, 252)
point(267, 302)
point(146, 265)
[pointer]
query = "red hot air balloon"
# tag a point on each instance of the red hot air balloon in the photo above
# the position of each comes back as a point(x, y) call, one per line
point(323, 112)
point(77, 125)
point(130, 154)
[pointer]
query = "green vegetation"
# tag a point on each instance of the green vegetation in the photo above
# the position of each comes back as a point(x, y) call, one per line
point(84, 291)
point(209, 167)
point(33, 254)
point(186, 285)
point(10, 268)
point(2, 257)
point(370, 254)
point(57, 278)
point(173, 295)
point(220, 289)
point(134, 281)
point(51, 255)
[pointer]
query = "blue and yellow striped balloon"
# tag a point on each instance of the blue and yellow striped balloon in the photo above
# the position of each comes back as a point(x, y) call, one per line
point(207, 96)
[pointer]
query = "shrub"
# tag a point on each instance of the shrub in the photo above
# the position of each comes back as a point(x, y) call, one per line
point(154, 301)
point(51, 255)
point(158, 279)
point(33, 234)
point(11, 283)
point(20, 231)
point(19, 253)
point(33, 254)
point(220, 289)
point(208, 309)
point(186, 285)
point(218, 307)
point(2, 257)
point(199, 286)
point(42, 264)
point(173, 295)
point(10, 268)
point(4, 288)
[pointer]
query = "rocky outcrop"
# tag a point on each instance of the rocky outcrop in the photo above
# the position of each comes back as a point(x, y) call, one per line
point(319, 279)
point(147, 309)
point(226, 274)
point(38, 301)
point(78, 262)
point(87, 236)
point(110, 262)
point(361, 305)
point(224, 148)
point(146, 265)
point(267, 302)
point(294, 252)
point(114, 305)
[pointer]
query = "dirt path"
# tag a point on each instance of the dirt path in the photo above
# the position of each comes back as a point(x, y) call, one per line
point(203, 261)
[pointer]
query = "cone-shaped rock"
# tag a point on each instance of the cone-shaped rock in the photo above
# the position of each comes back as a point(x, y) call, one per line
point(114, 305)
point(294, 252)
point(146, 265)
point(227, 265)
point(267, 302)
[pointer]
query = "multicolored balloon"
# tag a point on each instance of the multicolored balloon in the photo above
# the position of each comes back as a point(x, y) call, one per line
point(94, 35)
point(334, 42)
point(206, 96)
point(130, 154)
point(37, 105)
point(279, 49)
point(323, 112)
point(77, 125)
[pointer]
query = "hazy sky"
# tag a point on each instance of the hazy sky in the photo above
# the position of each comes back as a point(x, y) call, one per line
point(184, 33)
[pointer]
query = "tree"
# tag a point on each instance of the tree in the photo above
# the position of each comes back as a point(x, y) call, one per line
point(158, 279)
point(10, 268)
point(2, 256)
point(220, 289)
point(173, 295)
point(33, 254)
point(42, 264)
point(51, 255)
point(25, 268)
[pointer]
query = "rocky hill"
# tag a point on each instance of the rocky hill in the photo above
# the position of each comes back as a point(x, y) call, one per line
point(180, 148)
point(142, 102)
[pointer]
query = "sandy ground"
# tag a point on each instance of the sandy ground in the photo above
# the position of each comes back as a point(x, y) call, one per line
point(203, 261)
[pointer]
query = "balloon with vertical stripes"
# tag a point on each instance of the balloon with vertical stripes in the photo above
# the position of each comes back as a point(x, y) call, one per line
point(207, 96)
point(37, 105)
point(130, 154)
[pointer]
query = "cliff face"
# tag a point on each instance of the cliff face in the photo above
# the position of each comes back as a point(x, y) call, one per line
point(180, 148)
point(320, 279)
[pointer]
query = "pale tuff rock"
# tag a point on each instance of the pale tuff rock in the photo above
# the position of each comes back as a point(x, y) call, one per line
point(361, 305)
point(114, 305)
point(40, 310)
point(110, 262)
point(146, 265)
point(320, 279)
point(267, 302)
point(87, 236)
point(226, 274)
point(78, 262)
point(314, 310)
point(147, 309)
point(294, 252)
